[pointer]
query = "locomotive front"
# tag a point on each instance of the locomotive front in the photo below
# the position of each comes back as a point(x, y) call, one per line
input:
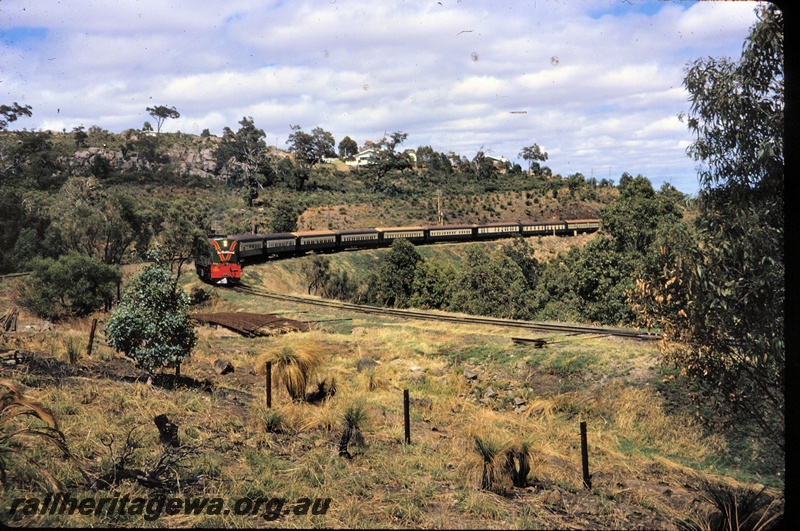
point(221, 263)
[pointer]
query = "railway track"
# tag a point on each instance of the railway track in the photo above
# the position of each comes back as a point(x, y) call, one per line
point(431, 316)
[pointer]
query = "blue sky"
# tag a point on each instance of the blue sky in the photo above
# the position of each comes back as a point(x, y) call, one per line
point(600, 80)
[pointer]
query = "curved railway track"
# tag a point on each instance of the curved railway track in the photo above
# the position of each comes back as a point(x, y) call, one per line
point(431, 316)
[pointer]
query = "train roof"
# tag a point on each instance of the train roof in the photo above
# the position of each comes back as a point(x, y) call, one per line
point(277, 235)
point(500, 224)
point(581, 220)
point(315, 233)
point(449, 227)
point(358, 231)
point(240, 237)
point(251, 237)
point(384, 229)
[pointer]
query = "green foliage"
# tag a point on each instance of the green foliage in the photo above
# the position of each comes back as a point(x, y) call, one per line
point(532, 154)
point(21, 229)
point(74, 285)
point(311, 148)
point(317, 272)
point(492, 452)
point(633, 220)
point(322, 280)
point(602, 279)
point(395, 282)
point(347, 148)
point(386, 161)
point(355, 415)
point(10, 113)
point(30, 160)
point(181, 230)
point(433, 284)
point(284, 218)
point(490, 284)
point(244, 157)
point(150, 324)
point(437, 164)
point(160, 113)
point(593, 284)
point(717, 288)
point(291, 176)
point(554, 296)
point(96, 222)
point(522, 253)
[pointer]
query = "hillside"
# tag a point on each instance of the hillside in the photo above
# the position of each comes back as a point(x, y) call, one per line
point(237, 194)
point(286, 276)
point(650, 463)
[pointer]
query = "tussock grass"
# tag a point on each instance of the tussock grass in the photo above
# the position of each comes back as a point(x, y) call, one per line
point(295, 365)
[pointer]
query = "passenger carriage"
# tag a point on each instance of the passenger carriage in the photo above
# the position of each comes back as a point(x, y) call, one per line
point(543, 228)
point(412, 234)
point(358, 238)
point(577, 226)
point(497, 230)
point(316, 240)
point(441, 233)
point(279, 244)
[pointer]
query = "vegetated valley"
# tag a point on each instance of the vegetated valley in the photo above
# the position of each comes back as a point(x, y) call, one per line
point(495, 439)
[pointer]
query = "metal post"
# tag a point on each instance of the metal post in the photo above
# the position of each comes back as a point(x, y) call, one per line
point(587, 477)
point(269, 384)
point(91, 338)
point(406, 418)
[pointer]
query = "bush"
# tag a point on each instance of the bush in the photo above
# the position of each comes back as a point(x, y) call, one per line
point(150, 324)
point(72, 286)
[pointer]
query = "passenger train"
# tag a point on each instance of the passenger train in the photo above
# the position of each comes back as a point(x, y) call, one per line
point(225, 257)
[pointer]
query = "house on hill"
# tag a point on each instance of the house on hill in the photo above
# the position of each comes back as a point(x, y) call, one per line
point(497, 162)
point(363, 158)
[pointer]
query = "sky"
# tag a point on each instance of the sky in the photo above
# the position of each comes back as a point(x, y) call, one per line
point(597, 84)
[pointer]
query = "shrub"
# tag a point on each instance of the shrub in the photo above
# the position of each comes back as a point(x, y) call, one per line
point(150, 324)
point(72, 286)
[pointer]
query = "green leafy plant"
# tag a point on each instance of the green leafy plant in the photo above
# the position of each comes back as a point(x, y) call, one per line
point(150, 324)
point(354, 417)
point(492, 453)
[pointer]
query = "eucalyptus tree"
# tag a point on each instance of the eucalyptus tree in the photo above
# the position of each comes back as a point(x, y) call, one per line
point(161, 113)
point(532, 154)
point(716, 287)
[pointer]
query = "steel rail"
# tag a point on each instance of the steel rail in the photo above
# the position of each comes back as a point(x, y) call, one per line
point(431, 316)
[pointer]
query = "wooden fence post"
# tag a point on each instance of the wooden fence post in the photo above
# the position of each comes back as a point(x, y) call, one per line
point(91, 338)
point(269, 384)
point(406, 417)
point(587, 477)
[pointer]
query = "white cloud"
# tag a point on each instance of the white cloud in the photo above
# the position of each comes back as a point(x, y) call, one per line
point(600, 82)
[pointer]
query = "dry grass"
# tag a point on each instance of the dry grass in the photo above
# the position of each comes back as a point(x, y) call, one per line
point(637, 450)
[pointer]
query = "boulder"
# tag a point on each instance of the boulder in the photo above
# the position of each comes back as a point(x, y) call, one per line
point(222, 366)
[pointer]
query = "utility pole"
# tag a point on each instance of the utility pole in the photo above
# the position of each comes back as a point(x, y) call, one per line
point(440, 218)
